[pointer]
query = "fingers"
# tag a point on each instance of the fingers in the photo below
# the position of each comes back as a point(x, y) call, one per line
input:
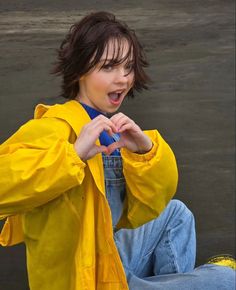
point(119, 120)
point(101, 149)
point(122, 123)
point(98, 124)
point(85, 143)
point(103, 123)
point(93, 151)
point(127, 127)
point(116, 145)
point(132, 136)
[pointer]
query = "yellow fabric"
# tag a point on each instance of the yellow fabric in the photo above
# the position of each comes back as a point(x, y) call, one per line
point(56, 203)
point(12, 231)
point(223, 260)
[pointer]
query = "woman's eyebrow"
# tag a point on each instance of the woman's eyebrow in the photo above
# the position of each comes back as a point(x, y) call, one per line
point(111, 59)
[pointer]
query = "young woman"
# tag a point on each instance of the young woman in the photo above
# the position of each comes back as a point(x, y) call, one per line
point(89, 193)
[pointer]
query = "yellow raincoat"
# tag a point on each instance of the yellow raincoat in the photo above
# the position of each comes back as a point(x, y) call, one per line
point(55, 203)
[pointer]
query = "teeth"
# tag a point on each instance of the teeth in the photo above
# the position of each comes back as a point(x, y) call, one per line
point(114, 96)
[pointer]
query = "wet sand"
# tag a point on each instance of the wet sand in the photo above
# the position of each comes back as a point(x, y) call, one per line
point(190, 47)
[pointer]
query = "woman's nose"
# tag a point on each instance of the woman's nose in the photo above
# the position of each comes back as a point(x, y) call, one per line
point(122, 76)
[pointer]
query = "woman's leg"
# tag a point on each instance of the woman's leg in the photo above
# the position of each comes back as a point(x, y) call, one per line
point(206, 277)
point(163, 246)
point(160, 255)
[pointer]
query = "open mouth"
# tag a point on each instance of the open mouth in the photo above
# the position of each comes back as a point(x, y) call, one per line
point(115, 97)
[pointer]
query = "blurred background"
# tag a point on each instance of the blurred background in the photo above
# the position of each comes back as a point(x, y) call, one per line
point(191, 101)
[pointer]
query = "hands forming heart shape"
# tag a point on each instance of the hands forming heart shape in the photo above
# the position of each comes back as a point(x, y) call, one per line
point(132, 137)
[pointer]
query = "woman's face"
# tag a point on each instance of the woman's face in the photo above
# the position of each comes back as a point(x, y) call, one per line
point(105, 87)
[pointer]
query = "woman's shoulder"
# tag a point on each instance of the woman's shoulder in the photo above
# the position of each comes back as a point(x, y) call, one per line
point(70, 112)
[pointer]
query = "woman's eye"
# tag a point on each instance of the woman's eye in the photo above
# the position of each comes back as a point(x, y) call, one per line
point(107, 67)
point(129, 67)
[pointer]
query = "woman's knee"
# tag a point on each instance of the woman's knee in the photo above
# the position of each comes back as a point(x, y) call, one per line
point(179, 206)
point(180, 211)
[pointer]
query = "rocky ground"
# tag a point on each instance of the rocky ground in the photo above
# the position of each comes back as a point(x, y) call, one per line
point(190, 47)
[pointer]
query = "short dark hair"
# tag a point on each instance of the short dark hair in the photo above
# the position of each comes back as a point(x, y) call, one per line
point(84, 45)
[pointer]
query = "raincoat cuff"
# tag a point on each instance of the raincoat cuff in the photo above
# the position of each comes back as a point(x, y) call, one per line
point(140, 157)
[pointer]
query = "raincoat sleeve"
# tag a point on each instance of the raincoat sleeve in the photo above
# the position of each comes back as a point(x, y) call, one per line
point(151, 181)
point(37, 164)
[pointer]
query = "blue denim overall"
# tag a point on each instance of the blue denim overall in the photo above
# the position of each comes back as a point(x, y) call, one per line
point(160, 255)
point(115, 185)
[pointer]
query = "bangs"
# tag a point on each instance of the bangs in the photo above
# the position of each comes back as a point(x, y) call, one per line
point(112, 52)
point(118, 46)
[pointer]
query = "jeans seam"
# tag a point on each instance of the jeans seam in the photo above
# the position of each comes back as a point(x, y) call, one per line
point(173, 258)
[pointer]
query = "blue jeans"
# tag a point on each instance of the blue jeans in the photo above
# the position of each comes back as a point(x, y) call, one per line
point(160, 255)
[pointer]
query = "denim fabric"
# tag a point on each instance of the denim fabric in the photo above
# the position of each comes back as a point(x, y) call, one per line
point(160, 255)
point(115, 185)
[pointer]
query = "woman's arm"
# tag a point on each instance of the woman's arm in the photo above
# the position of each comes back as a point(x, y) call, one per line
point(151, 180)
point(37, 164)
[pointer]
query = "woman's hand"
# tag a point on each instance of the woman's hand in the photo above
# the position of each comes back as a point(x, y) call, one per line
point(132, 137)
point(85, 144)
